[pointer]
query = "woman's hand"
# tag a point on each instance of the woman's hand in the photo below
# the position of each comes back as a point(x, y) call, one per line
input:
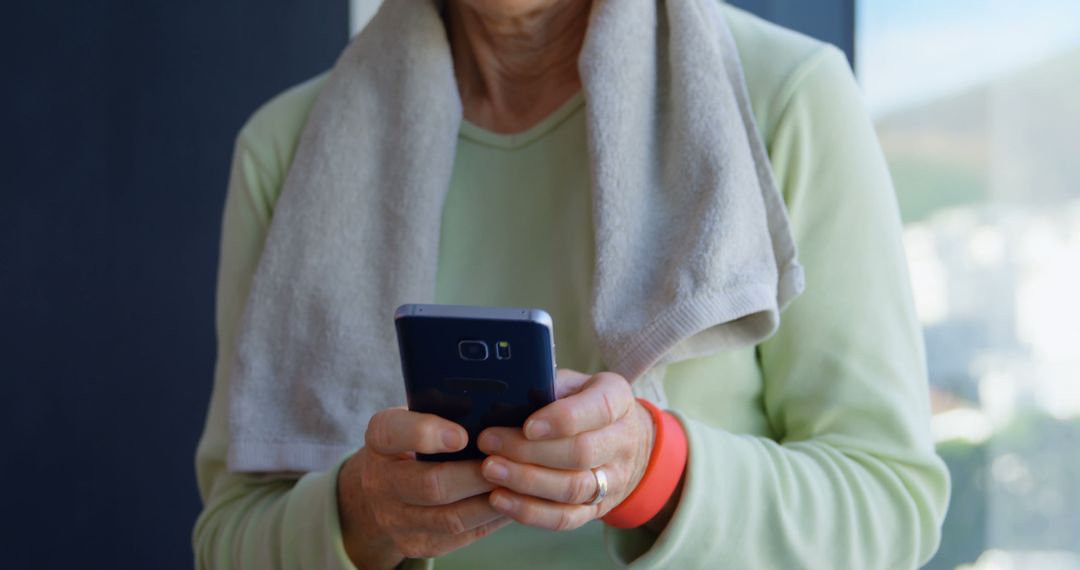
point(393, 506)
point(544, 470)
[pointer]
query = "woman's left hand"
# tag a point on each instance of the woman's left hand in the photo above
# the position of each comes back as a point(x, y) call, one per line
point(544, 470)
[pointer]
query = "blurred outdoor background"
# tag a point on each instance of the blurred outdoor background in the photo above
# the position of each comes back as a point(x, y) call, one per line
point(977, 103)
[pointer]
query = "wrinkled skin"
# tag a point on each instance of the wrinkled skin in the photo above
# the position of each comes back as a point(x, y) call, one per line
point(392, 506)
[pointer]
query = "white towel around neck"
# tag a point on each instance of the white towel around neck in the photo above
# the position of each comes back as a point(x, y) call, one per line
point(693, 251)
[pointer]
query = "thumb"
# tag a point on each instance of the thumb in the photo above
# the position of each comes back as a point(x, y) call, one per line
point(569, 382)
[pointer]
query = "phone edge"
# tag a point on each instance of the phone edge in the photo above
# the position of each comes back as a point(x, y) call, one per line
point(538, 316)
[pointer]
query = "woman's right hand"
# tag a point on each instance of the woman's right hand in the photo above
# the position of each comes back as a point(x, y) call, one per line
point(392, 506)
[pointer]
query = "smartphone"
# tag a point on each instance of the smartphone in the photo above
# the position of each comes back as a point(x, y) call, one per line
point(476, 366)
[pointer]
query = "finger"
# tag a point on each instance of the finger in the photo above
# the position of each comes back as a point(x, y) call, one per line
point(425, 546)
point(582, 451)
point(569, 381)
point(398, 430)
point(423, 483)
point(454, 519)
point(602, 401)
point(540, 513)
point(572, 487)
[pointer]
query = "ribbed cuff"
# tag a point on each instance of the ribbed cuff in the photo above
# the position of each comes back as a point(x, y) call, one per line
point(248, 455)
point(740, 317)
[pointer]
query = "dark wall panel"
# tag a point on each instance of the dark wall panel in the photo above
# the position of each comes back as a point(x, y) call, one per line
point(119, 119)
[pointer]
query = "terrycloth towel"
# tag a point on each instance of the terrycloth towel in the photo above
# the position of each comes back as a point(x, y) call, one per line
point(693, 250)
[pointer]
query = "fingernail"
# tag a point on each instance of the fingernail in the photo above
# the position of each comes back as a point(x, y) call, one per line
point(537, 429)
point(502, 503)
point(491, 443)
point(451, 439)
point(496, 471)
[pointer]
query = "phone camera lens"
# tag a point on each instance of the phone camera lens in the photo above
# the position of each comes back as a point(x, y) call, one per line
point(473, 350)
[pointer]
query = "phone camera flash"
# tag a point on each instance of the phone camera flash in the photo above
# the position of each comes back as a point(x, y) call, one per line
point(502, 350)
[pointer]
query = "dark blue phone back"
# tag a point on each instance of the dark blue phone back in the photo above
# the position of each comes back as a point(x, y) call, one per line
point(444, 374)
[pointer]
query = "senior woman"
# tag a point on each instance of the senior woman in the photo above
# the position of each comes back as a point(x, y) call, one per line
point(644, 171)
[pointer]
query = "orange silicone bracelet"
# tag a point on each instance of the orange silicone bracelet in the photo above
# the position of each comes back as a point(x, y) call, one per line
point(666, 465)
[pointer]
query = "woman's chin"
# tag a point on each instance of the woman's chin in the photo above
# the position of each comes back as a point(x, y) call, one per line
point(511, 8)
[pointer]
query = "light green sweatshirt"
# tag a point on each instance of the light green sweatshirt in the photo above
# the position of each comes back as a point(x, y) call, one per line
point(811, 450)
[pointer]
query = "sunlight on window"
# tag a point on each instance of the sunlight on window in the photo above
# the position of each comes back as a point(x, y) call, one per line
point(975, 102)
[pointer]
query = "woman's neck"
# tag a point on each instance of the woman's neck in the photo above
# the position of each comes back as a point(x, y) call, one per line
point(515, 68)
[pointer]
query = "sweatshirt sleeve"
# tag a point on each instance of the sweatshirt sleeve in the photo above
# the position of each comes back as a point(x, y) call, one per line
point(250, 520)
point(851, 479)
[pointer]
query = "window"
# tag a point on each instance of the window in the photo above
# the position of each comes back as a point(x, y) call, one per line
point(977, 103)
